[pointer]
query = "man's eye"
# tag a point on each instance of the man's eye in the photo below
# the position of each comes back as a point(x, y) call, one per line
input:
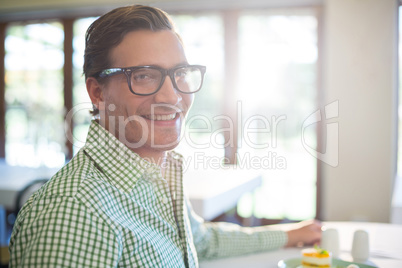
point(181, 73)
point(144, 77)
point(141, 76)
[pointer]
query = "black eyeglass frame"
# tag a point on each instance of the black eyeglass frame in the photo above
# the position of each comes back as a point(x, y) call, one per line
point(170, 72)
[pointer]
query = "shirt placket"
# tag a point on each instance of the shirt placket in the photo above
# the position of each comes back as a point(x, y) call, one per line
point(166, 206)
point(176, 187)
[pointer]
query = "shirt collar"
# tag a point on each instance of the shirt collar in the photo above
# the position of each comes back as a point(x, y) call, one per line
point(122, 166)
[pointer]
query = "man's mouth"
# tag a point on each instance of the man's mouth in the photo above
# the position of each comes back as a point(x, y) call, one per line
point(160, 117)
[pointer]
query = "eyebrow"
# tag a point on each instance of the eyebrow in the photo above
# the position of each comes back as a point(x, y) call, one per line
point(159, 66)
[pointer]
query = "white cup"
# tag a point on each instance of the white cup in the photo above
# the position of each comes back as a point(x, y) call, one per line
point(360, 246)
point(330, 241)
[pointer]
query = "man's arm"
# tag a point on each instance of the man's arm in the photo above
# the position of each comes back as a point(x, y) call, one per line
point(214, 240)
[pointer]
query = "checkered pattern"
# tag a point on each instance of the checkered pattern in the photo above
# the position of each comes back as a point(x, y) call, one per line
point(110, 208)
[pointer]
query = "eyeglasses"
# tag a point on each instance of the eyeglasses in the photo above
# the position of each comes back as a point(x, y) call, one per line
point(147, 80)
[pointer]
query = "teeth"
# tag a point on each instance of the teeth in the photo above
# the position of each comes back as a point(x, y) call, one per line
point(161, 117)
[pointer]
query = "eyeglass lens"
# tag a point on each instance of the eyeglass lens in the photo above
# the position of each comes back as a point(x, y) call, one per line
point(147, 80)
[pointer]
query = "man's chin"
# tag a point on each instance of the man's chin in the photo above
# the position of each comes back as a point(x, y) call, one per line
point(165, 146)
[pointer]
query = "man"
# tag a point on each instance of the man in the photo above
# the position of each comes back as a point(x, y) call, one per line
point(120, 202)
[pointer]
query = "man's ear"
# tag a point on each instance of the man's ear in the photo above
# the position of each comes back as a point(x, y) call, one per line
point(94, 91)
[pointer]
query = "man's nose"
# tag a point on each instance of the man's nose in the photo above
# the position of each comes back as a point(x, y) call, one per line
point(168, 93)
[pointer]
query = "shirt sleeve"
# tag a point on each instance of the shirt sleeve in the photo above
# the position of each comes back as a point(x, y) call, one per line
point(61, 232)
point(222, 239)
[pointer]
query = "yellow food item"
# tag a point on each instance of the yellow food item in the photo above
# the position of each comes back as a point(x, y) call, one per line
point(316, 258)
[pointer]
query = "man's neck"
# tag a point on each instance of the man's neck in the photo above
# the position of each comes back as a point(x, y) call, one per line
point(149, 154)
point(153, 156)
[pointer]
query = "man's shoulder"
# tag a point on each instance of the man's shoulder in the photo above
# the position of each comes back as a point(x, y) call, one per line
point(60, 192)
point(76, 185)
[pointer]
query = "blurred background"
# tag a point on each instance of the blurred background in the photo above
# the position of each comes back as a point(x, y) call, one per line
point(270, 65)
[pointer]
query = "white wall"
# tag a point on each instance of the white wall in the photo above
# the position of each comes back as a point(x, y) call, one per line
point(360, 59)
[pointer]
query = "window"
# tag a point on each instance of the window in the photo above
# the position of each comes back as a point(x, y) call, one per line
point(276, 88)
point(81, 102)
point(268, 77)
point(202, 36)
point(34, 94)
point(277, 92)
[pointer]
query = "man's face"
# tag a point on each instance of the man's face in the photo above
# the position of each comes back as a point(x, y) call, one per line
point(145, 123)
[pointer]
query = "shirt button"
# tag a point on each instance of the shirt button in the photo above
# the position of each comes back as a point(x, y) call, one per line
point(150, 170)
point(165, 200)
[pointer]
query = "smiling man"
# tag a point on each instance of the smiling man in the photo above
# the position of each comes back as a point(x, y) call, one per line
point(144, 105)
point(120, 201)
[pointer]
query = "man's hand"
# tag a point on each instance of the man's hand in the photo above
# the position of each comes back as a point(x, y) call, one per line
point(304, 233)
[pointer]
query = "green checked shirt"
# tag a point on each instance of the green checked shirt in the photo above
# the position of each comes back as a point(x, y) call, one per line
point(110, 208)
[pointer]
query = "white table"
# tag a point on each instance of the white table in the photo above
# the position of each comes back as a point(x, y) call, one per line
point(385, 248)
point(213, 192)
point(385, 241)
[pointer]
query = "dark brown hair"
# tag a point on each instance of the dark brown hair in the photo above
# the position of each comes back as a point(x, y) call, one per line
point(109, 30)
